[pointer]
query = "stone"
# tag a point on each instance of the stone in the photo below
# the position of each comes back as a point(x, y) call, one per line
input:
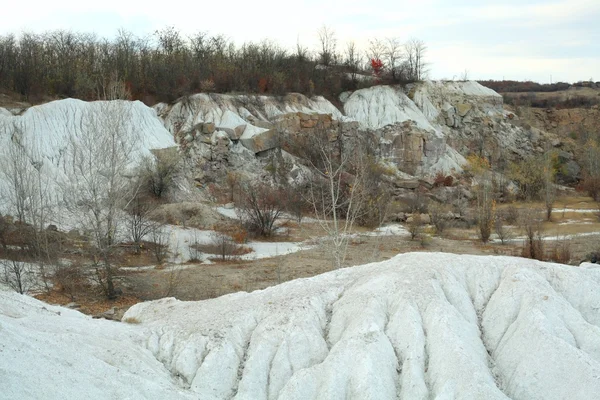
point(407, 183)
point(263, 124)
point(73, 305)
point(266, 140)
point(308, 123)
point(425, 218)
point(235, 133)
point(463, 109)
point(208, 128)
point(426, 182)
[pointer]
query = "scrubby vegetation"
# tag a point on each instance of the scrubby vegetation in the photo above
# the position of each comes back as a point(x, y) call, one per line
point(167, 65)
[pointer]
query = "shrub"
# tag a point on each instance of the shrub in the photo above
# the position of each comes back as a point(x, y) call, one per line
point(415, 227)
point(260, 207)
point(443, 180)
point(531, 223)
point(71, 280)
point(158, 173)
point(440, 217)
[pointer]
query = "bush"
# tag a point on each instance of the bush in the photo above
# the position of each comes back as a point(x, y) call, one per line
point(71, 280)
point(260, 207)
point(443, 180)
point(440, 217)
point(415, 227)
point(158, 173)
point(531, 223)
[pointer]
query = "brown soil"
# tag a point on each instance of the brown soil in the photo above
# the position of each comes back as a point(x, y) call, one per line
point(202, 281)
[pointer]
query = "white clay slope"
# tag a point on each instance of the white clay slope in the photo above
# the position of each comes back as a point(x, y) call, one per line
point(51, 352)
point(419, 326)
point(45, 131)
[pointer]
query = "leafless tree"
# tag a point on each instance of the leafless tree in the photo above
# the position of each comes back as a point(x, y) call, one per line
point(260, 207)
point(26, 194)
point(139, 223)
point(549, 187)
point(352, 60)
point(531, 224)
point(98, 184)
point(17, 275)
point(173, 279)
point(502, 232)
point(327, 45)
point(393, 57)
point(225, 245)
point(375, 51)
point(415, 226)
point(158, 172)
point(336, 195)
point(415, 51)
point(160, 242)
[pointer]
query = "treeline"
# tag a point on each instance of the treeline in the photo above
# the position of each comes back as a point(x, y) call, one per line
point(167, 65)
point(527, 86)
point(552, 101)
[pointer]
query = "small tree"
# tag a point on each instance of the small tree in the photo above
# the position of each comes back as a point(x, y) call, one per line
point(17, 275)
point(98, 184)
point(502, 232)
point(531, 224)
point(225, 245)
point(160, 171)
point(260, 207)
point(160, 243)
point(415, 226)
point(337, 191)
point(139, 223)
point(480, 169)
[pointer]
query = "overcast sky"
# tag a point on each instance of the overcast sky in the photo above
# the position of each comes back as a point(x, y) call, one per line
point(513, 39)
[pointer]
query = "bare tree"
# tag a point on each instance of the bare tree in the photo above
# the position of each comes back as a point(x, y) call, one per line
point(158, 172)
point(327, 45)
point(376, 50)
point(139, 224)
point(225, 245)
point(549, 188)
point(352, 60)
point(260, 207)
point(531, 224)
point(393, 57)
point(415, 51)
point(98, 184)
point(502, 232)
point(17, 275)
point(335, 194)
point(27, 195)
point(479, 167)
point(160, 242)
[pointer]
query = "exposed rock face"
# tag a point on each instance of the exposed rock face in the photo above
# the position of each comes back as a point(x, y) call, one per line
point(244, 117)
point(447, 119)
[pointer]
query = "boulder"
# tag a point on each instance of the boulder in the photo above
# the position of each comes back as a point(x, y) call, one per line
point(407, 183)
point(463, 109)
point(262, 141)
point(208, 128)
point(234, 133)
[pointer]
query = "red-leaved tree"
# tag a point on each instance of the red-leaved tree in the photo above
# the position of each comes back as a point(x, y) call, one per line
point(377, 66)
